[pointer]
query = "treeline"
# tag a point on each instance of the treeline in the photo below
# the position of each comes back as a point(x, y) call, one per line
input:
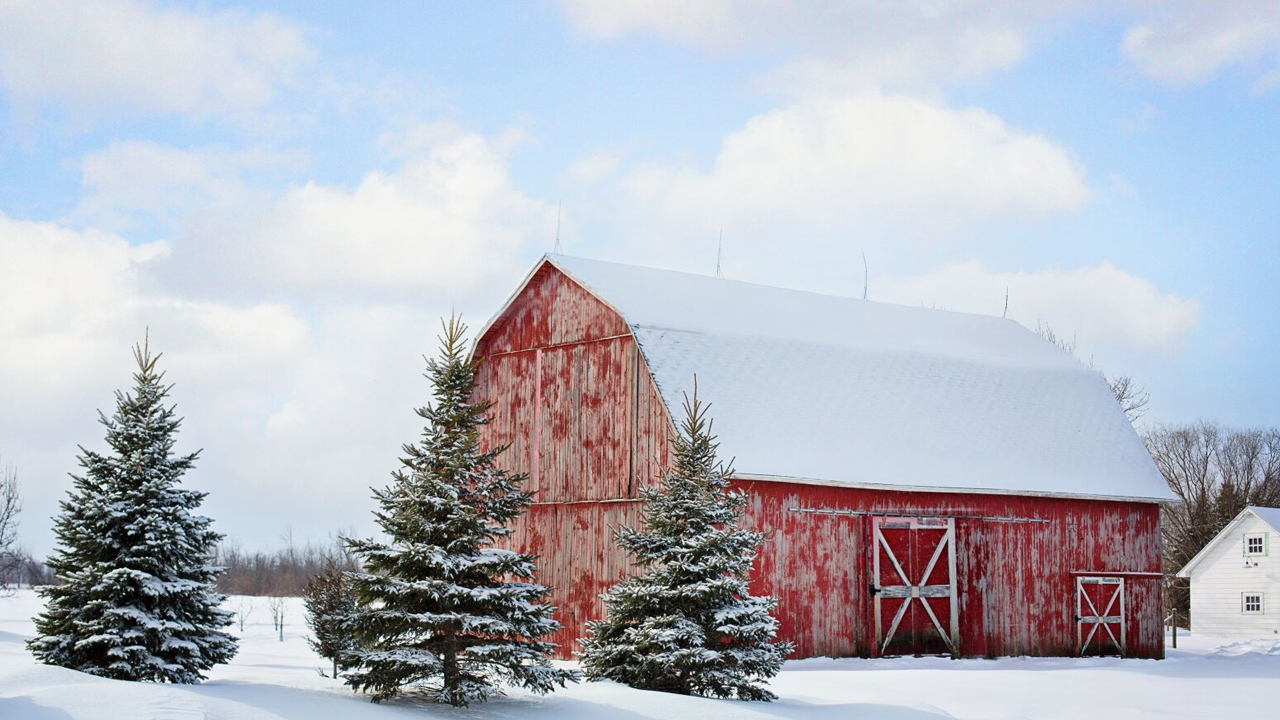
point(22, 568)
point(17, 565)
point(1215, 472)
point(283, 571)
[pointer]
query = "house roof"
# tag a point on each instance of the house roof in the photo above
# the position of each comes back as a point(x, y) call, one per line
point(851, 392)
point(1268, 515)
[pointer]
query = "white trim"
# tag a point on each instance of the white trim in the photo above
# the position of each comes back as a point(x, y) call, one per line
point(762, 477)
point(1244, 602)
point(1235, 523)
point(493, 319)
point(549, 259)
point(908, 589)
point(1261, 537)
point(1103, 618)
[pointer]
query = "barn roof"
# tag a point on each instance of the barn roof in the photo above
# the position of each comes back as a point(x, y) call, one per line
point(844, 391)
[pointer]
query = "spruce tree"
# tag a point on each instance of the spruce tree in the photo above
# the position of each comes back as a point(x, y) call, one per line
point(688, 624)
point(330, 605)
point(136, 600)
point(441, 610)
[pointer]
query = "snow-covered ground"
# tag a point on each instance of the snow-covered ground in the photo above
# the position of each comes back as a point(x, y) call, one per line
point(277, 680)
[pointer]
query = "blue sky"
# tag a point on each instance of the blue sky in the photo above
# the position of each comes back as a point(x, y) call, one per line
point(290, 194)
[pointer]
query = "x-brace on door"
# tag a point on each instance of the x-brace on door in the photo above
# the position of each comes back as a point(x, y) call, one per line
point(914, 586)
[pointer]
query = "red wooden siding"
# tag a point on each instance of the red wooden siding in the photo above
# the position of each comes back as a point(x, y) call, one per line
point(577, 406)
point(577, 558)
point(1016, 588)
point(552, 310)
point(576, 403)
point(573, 397)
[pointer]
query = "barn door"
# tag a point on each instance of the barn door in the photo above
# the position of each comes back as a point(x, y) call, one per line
point(914, 586)
point(1100, 624)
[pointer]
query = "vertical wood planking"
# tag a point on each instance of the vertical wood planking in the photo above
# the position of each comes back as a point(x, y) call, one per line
point(1014, 579)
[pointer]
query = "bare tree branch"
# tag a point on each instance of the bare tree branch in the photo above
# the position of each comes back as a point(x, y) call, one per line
point(11, 557)
point(1215, 473)
point(1133, 398)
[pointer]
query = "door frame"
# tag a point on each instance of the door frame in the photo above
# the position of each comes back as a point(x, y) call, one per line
point(909, 589)
point(1103, 618)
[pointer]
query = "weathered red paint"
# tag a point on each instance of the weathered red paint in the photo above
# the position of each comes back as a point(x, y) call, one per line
point(576, 404)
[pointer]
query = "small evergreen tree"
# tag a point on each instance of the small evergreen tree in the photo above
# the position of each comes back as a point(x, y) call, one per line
point(687, 624)
point(136, 600)
point(330, 605)
point(440, 609)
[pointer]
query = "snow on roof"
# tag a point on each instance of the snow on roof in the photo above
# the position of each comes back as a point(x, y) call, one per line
point(1268, 515)
point(847, 391)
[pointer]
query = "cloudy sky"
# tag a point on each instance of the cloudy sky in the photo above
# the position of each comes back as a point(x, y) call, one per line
point(291, 194)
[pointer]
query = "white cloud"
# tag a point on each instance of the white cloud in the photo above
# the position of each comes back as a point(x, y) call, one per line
point(594, 168)
point(74, 299)
point(1104, 307)
point(1188, 42)
point(838, 42)
point(124, 56)
point(300, 402)
point(885, 162)
point(134, 182)
point(297, 416)
point(448, 219)
point(74, 302)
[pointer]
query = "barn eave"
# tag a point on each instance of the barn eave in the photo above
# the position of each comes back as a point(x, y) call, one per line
point(764, 477)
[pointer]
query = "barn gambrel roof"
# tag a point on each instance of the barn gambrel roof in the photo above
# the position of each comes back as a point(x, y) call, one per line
point(845, 391)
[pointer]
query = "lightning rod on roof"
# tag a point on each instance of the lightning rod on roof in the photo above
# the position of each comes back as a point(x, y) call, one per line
point(719, 253)
point(864, 276)
point(557, 249)
point(1005, 314)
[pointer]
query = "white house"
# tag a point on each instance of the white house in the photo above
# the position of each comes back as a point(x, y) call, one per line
point(1235, 579)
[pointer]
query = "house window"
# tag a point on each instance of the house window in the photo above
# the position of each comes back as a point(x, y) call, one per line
point(1251, 603)
point(1255, 544)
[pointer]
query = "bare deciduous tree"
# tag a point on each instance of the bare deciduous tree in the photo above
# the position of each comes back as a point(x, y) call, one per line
point(278, 607)
point(1215, 473)
point(1133, 398)
point(243, 608)
point(12, 559)
point(1046, 332)
point(282, 571)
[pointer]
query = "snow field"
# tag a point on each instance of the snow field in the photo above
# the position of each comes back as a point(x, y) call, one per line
point(273, 680)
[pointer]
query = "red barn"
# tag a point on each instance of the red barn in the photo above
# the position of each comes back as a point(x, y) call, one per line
point(926, 481)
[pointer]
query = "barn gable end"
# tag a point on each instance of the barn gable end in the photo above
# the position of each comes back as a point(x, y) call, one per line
point(578, 405)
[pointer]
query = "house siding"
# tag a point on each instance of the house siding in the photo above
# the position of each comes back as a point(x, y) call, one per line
point(1221, 577)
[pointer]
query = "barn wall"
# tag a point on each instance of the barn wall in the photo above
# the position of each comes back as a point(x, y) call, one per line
point(578, 409)
point(573, 398)
point(551, 310)
point(1015, 582)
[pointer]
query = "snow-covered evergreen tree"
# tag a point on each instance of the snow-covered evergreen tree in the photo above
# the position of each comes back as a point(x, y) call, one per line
point(687, 624)
point(330, 605)
point(136, 600)
point(440, 609)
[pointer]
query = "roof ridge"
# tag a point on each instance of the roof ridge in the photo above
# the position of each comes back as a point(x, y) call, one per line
point(552, 257)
